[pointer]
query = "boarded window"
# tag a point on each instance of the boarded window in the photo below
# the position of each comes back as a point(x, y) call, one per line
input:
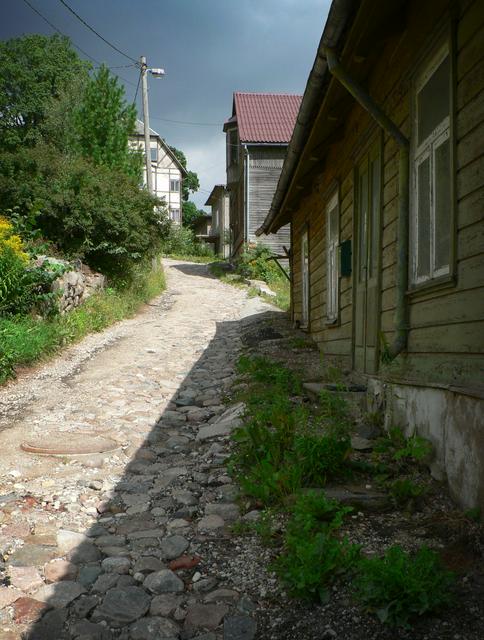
point(332, 237)
point(431, 221)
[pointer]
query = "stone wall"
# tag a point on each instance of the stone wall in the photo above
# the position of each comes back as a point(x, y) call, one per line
point(76, 284)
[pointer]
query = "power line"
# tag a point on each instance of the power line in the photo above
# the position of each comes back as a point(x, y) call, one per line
point(96, 33)
point(77, 46)
point(137, 87)
point(195, 124)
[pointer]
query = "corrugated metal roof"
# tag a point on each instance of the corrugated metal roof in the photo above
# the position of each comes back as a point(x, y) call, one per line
point(266, 117)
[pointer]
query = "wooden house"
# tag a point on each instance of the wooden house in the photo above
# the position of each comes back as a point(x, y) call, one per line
point(167, 172)
point(383, 185)
point(218, 200)
point(257, 135)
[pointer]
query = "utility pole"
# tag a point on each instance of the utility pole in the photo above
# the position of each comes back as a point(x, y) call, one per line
point(146, 120)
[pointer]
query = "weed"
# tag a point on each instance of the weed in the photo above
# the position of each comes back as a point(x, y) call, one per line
point(313, 556)
point(321, 454)
point(404, 492)
point(401, 449)
point(474, 514)
point(398, 587)
point(302, 343)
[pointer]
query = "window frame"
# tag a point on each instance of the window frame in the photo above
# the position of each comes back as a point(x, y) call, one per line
point(305, 302)
point(155, 159)
point(445, 130)
point(172, 181)
point(332, 254)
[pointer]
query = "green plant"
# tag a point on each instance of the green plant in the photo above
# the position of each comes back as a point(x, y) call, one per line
point(399, 587)
point(182, 242)
point(399, 448)
point(313, 555)
point(404, 492)
point(255, 263)
point(321, 454)
point(474, 514)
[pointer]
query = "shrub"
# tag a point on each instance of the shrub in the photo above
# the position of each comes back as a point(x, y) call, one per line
point(181, 241)
point(404, 492)
point(253, 263)
point(398, 587)
point(314, 556)
point(321, 455)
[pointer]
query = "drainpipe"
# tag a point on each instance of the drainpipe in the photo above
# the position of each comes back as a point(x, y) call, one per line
point(363, 98)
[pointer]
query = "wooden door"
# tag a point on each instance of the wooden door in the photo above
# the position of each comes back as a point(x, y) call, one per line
point(305, 279)
point(367, 262)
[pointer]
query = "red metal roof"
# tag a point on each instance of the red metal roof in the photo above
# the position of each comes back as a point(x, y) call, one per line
point(266, 117)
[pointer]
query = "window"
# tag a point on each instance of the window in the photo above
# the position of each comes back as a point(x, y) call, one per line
point(332, 237)
point(232, 147)
point(174, 185)
point(431, 172)
point(175, 215)
point(154, 154)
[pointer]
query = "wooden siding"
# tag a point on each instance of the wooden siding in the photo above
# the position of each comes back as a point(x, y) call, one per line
point(265, 164)
point(445, 342)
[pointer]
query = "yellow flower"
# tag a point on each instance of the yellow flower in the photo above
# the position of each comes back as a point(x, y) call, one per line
point(10, 240)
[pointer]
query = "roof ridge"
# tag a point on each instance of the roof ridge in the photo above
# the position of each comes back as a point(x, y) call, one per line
point(266, 93)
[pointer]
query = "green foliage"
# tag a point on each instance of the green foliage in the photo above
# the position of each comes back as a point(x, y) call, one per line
point(104, 122)
point(191, 183)
point(254, 264)
point(267, 372)
point(24, 340)
point(313, 555)
point(180, 241)
point(37, 73)
point(321, 454)
point(191, 214)
point(401, 449)
point(404, 492)
point(399, 587)
point(89, 211)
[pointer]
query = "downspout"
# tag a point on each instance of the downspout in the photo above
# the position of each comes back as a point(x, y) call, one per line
point(364, 99)
point(247, 186)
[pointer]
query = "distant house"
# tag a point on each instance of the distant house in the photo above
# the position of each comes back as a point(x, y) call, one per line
point(203, 227)
point(383, 186)
point(218, 200)
point(167, 171)
point(258, 133)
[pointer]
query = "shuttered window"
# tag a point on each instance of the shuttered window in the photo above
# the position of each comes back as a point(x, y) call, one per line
point(431, 172)
point(332, 238)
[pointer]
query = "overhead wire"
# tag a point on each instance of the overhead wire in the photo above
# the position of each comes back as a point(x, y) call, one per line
point(100, 64)
point(88, 26)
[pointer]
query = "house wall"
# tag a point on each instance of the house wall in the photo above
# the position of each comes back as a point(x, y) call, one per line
point(437, 386)
point(265, 164)
point(220, 226)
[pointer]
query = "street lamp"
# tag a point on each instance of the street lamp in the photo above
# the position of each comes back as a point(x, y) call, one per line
point(156, 73)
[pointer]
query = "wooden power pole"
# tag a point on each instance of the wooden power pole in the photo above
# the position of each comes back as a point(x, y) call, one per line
point(146, 120)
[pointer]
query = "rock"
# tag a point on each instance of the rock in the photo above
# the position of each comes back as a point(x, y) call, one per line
point(239, 628)
point(148, 564)
point(105, 582)
point(178, 523)
point(122, 606)
point(85, 630)
point(68, 540)
point(31, 555)
point(164, 581)
point(204, 616)
point(60, 569)
point(25, 578)
point(252, 516)
point(215, 430)
point(210, 523)
point(116, 565)
point(222, 595)
point(60, 594)
point(50, 626)
point(28, 610)
point(154, 629)
point(228, 492)
point(110, 541)
point(226, 510)
point(83, 606)
point(173, 546)
point(361, 444)
point(185, 497)
point(205, 585)
point(8, 595)
point(184, 562)
point(89, 574)
point(83, 554)
point(165, 604)
point(359, 497)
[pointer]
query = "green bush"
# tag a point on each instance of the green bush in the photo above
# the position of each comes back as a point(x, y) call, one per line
point(181, 241)
point(321, 454)
point(313, 555)
point(88, 211)
point(399, 587)
point(254, 264)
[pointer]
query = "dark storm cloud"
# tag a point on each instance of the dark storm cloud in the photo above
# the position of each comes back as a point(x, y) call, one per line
point(209, 48)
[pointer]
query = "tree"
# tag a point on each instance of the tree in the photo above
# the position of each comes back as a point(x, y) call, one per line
point(104, 122)
point(191, 183)
point(191, 214)
point(36, 74)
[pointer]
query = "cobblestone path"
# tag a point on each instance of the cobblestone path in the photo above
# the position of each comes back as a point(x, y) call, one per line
point(126, 532)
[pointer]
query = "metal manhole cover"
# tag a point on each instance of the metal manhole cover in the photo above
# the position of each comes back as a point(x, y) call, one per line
point(65, 444)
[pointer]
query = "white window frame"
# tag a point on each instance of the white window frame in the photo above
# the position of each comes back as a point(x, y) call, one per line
point(155, 150)
point(175, 215)
point(332, 268)
point(172, 182)
point(426, 149)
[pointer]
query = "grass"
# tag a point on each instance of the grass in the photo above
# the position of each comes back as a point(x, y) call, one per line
point(280, 286)
point(191, 258)
point(26, 340)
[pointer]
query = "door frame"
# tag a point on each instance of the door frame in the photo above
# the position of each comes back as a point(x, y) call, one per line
point(372, 151)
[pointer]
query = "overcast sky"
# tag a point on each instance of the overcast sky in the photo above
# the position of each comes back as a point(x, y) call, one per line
point(208, 48)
